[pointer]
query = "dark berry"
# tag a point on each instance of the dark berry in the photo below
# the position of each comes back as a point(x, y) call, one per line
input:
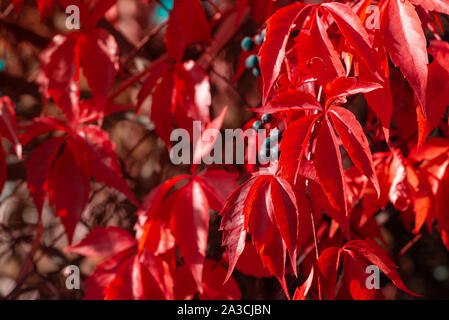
point(247, 44)
point(267, 118)
point(256, 72)
point(257, 125)
point(263, 33)
point(251, 61)
point(258, 39)
point(267, 143)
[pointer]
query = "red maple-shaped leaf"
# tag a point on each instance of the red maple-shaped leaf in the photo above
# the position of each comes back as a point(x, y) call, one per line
point(355, 34)
point(299, 143)
point(356, 255)
point(265, 207)
point(405, 41)
point(69, 204)
point(93, 49)
point(103, 243)
point(302, 291)
point(433, 5)
point(213, 288)
point(185, 211)
point(437, 86)
point(186, 29)
point(182, 95)
point(124, 275)
point(76, 156)
point(272, 52)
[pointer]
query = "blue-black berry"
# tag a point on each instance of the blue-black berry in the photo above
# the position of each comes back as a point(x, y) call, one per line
point(267, 118)
point(256, 72)
point(267, 143)
point(258, 39)
point(247, 44)
point(251, 61)
point(257, 125)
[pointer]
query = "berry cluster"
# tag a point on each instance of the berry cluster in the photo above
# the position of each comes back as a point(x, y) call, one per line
point(249, 44)
point(270, 147)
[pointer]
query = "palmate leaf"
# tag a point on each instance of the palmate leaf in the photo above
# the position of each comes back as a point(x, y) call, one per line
point(355, 256)
point(265, 207)
point(404, 39)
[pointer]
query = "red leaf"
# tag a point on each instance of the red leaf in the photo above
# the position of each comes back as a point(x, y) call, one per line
point(192, 91)
point(302, 291)
point(233, 224)
point(370, 251)
point(95, 153)
point(250, 264)
point(191, 227)
point(17, 5)
point(71, 198)
point(153, 202)
point(218, 186)
point(323, 49)
point(209, 137)
point(214, 289)
point(290, 100)
point(99, 58)
point(155, 71)
point(103, 243)
point(154, 237)
point(433, 5)
point(40, 126)
point(38, 169)
point(405, 41)
point(294, 142)
point(156, 276)
point(273, 49)
point(329, 168)
point(355, 34)
point(400, 193)
point(328, 263)
point(285, 212)
point(266, 207)
point(354, 276)
point(437, 88)
point(99, 9)
point(266, 236)
point(338, 90)
point(8, 125)
point(260, 10)
point(355, 142)
point(60, 63)
point(185, 29)
point(161, 105)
